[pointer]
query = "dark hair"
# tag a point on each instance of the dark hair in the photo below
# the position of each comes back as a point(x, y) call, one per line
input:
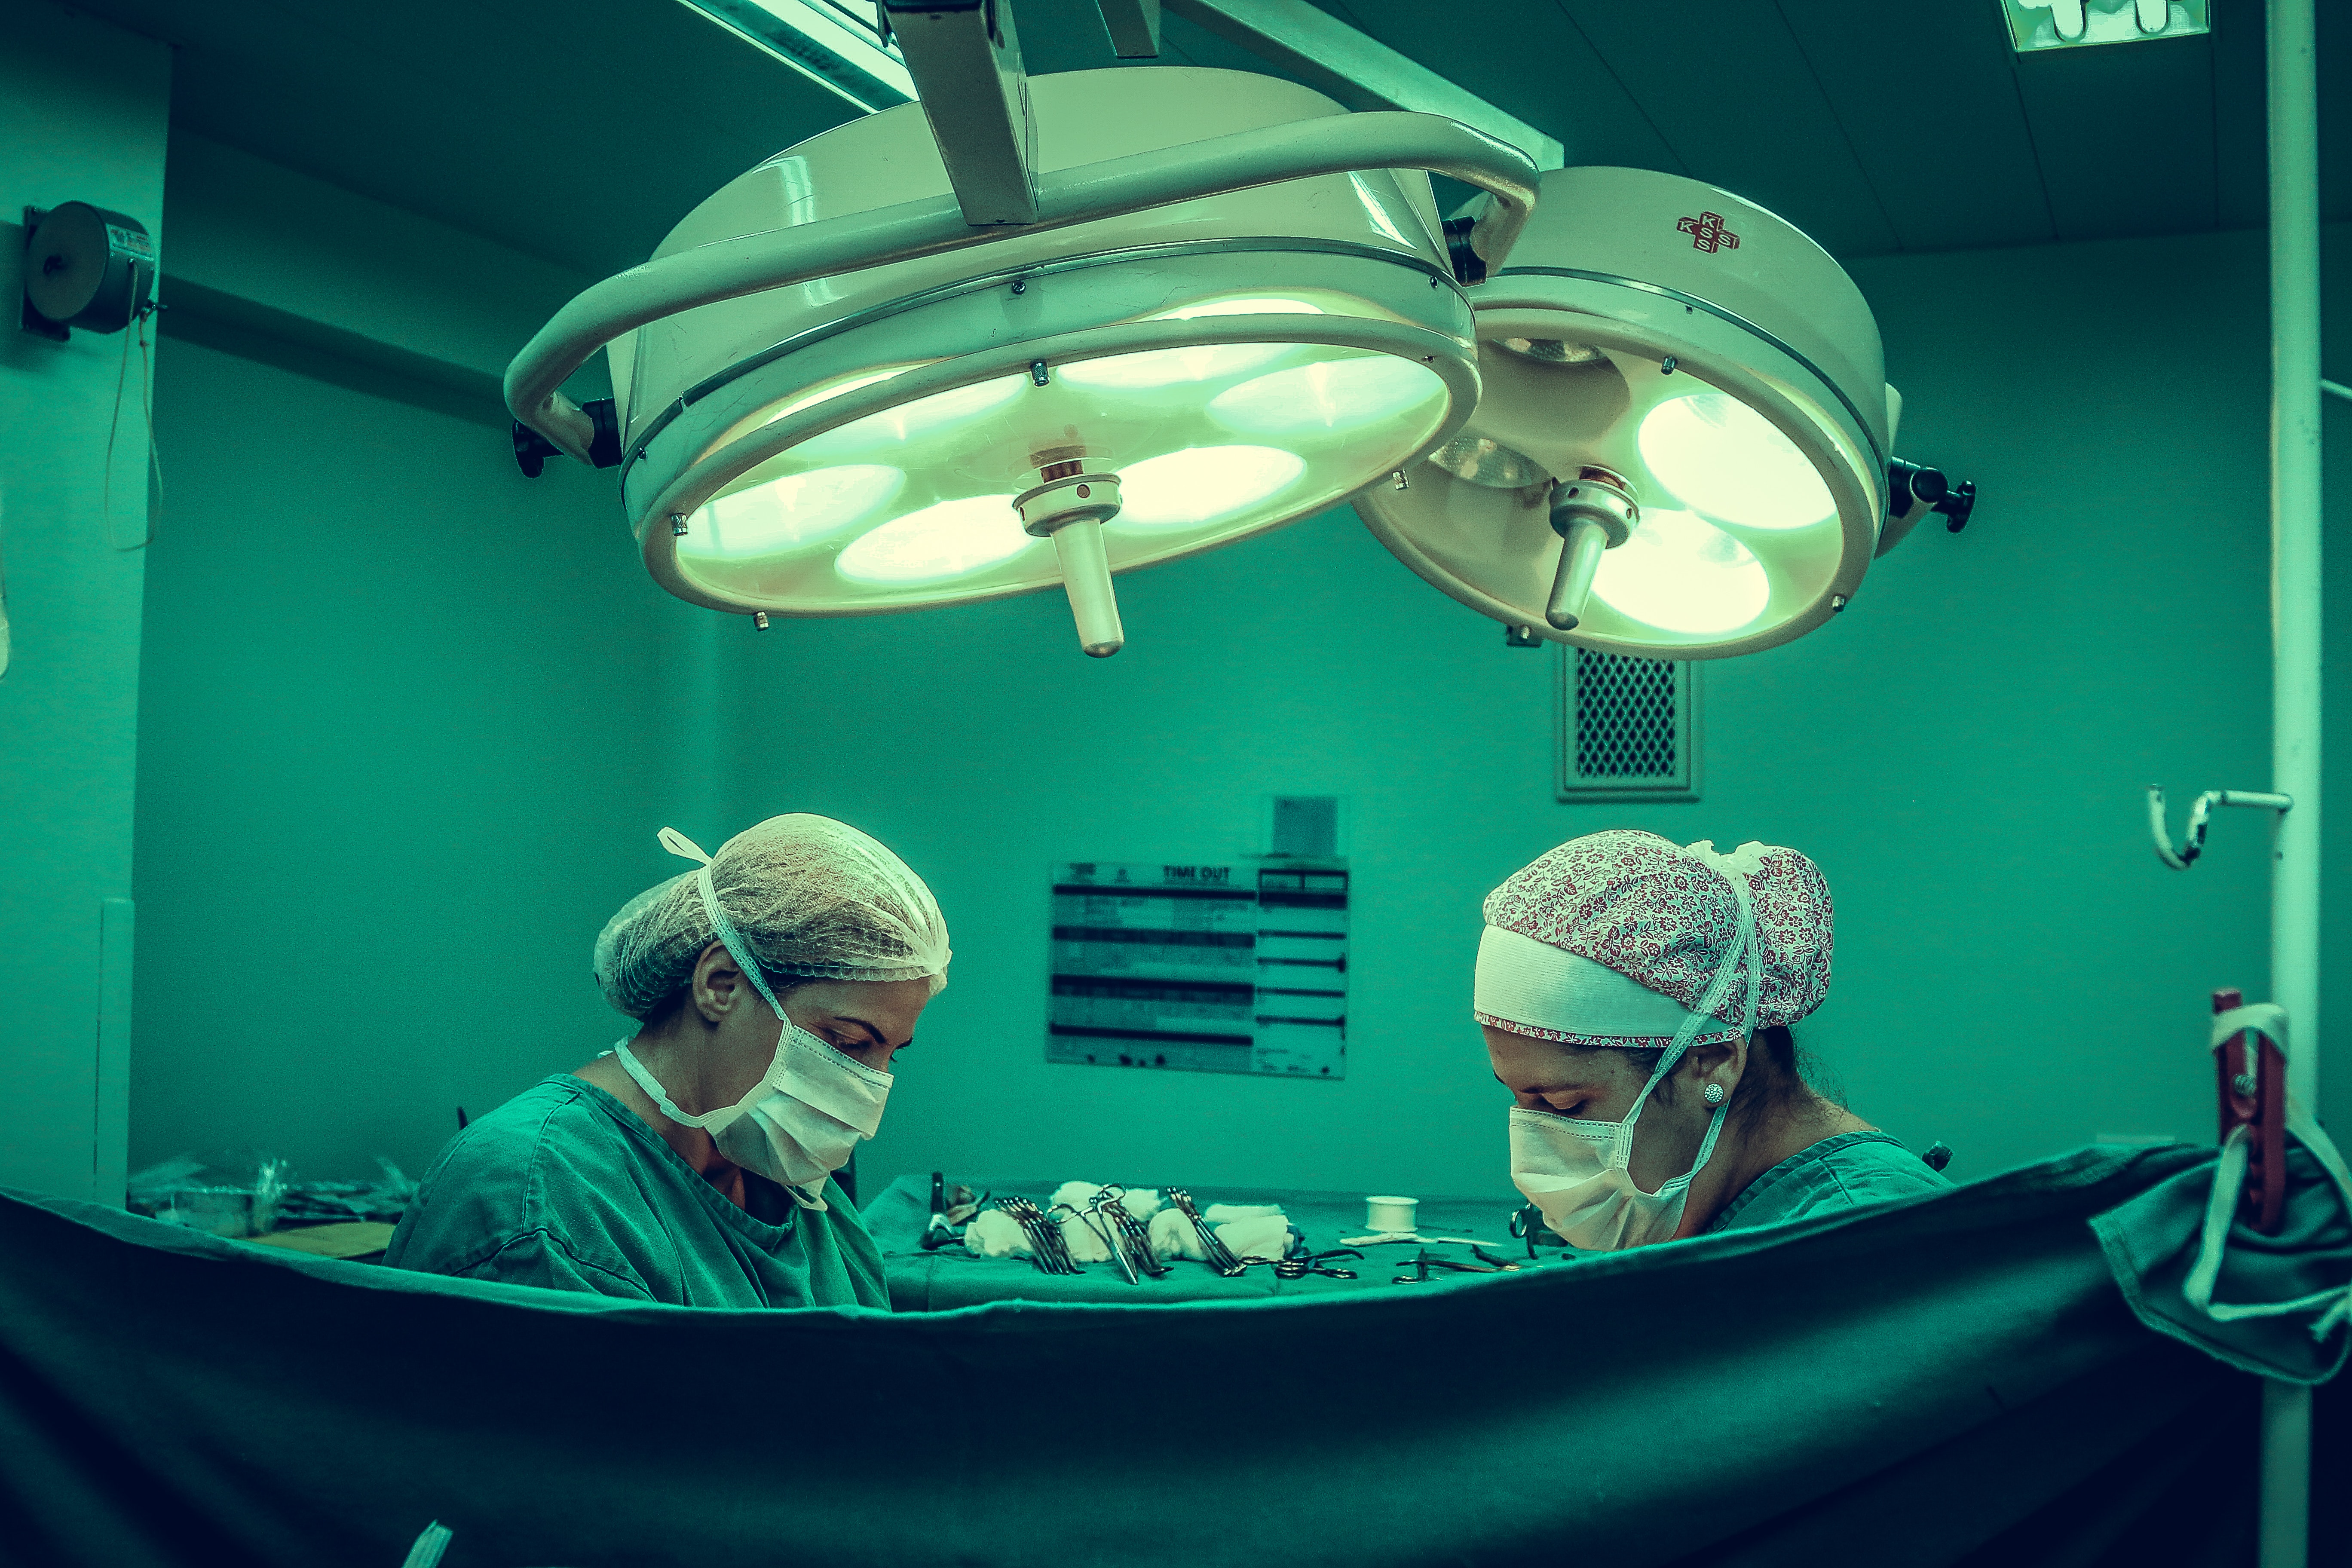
point(1783, 1080)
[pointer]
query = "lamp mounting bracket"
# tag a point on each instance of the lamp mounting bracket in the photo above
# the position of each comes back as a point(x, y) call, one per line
point(965, 57)
point(1133, 26)
point(532, 449)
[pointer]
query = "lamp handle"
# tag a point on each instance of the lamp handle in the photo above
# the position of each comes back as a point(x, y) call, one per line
point(778, 258)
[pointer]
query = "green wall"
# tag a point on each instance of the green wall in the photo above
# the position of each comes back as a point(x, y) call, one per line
point(406, 715)
point(82, 109)
point(409, 725)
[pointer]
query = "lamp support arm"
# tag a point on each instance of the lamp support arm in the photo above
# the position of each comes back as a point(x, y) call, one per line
point(775, 259)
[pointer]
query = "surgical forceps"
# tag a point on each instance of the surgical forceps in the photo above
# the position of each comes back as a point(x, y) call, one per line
point(1046, 1247)
point(1130, 1242)
point(1219, 1257)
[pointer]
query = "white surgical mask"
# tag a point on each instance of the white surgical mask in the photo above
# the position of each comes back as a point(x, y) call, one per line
point(1576, 1171)
point(809, 1110)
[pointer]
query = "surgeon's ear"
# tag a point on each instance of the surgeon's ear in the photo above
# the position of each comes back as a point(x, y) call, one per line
point(1721, 1063)
point(717, 983)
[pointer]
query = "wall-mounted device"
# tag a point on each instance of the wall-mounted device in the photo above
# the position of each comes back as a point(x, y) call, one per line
point(85, 266)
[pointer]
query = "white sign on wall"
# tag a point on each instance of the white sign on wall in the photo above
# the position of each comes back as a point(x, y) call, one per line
point(1234, 968)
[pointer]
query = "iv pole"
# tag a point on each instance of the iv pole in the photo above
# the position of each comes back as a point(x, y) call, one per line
point(2295, 600)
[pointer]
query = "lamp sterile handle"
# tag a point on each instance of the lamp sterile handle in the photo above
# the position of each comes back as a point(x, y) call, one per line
point(1114, 187)
point(2193, 846)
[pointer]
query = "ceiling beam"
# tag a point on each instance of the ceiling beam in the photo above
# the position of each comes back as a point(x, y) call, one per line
point(1360, 72)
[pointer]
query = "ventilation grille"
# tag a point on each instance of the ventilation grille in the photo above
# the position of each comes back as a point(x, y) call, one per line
point(1628, 726)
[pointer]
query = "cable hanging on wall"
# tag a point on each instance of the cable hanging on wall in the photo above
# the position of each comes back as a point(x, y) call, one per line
point(153, 470)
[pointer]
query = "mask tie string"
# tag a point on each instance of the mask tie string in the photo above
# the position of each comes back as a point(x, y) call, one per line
point(686, 848)
point(1743, 956)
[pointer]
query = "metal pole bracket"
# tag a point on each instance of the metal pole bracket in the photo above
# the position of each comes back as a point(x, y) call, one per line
point(2193, 846)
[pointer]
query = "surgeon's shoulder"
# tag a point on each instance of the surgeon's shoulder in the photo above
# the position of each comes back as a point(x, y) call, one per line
point(494, 1182)
point(1871, 1168)
point(1846, 1171)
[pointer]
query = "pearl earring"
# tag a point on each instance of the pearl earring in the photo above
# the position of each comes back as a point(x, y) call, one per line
point(1714, 1095)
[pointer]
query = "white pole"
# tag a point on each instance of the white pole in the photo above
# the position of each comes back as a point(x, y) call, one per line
point(2295, 672)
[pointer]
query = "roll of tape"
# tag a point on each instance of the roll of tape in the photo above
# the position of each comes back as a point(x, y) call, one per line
point(1391, 1212)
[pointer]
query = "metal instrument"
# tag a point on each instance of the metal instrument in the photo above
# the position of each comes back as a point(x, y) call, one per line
point(1528, 1225)
point(1046, 1247)
point(1300, 1268)
point(1221, 1257)
point(1129, 1240)
point(1423, 1264)
point(1103, 1232)
point(938, 1233)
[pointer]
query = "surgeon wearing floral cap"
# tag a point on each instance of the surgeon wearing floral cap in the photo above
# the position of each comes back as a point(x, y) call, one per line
point(1636, 997)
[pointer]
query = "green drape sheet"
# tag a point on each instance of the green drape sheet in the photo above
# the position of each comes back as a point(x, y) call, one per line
point(1952, 1380)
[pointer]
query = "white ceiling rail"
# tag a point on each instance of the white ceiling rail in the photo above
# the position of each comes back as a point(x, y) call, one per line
point(1361, 72)
point(841, 48)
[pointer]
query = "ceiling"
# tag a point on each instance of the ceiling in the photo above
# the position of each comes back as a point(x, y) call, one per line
point(580, 132)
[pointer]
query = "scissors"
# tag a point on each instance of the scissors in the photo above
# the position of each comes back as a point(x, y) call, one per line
point(1424, 1263)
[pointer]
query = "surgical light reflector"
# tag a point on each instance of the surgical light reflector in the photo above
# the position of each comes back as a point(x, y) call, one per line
point(797, 510)
point(1336, 395)
point(1680, 574)
point(1721, 458)
point(1157, 368)
point(946, 539)
point(1203, 484)
point(941, 414)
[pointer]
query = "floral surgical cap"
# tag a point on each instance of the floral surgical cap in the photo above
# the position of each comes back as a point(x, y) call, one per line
point(1665, 917)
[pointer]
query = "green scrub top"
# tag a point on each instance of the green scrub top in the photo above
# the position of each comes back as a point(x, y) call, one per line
point(566, 1187)
point(1841, 1172)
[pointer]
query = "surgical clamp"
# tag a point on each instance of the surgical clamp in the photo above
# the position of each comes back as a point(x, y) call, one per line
point(1046, 1247)
point(1219, 1257)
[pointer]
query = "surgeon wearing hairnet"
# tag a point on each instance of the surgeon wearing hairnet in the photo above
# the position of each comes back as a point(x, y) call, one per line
point(693, 1164)
point(1636, 997)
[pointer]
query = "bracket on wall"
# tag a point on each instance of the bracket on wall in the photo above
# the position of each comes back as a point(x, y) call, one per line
point(2193, 846)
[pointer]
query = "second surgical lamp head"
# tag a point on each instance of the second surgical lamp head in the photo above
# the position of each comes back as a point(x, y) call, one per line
point(1683, 442)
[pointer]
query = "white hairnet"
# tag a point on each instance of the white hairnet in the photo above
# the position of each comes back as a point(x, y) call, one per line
point(806, 895)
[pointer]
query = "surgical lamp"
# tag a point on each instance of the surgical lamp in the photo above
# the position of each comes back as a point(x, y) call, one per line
point(1682, 446)
point(1128, 316)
